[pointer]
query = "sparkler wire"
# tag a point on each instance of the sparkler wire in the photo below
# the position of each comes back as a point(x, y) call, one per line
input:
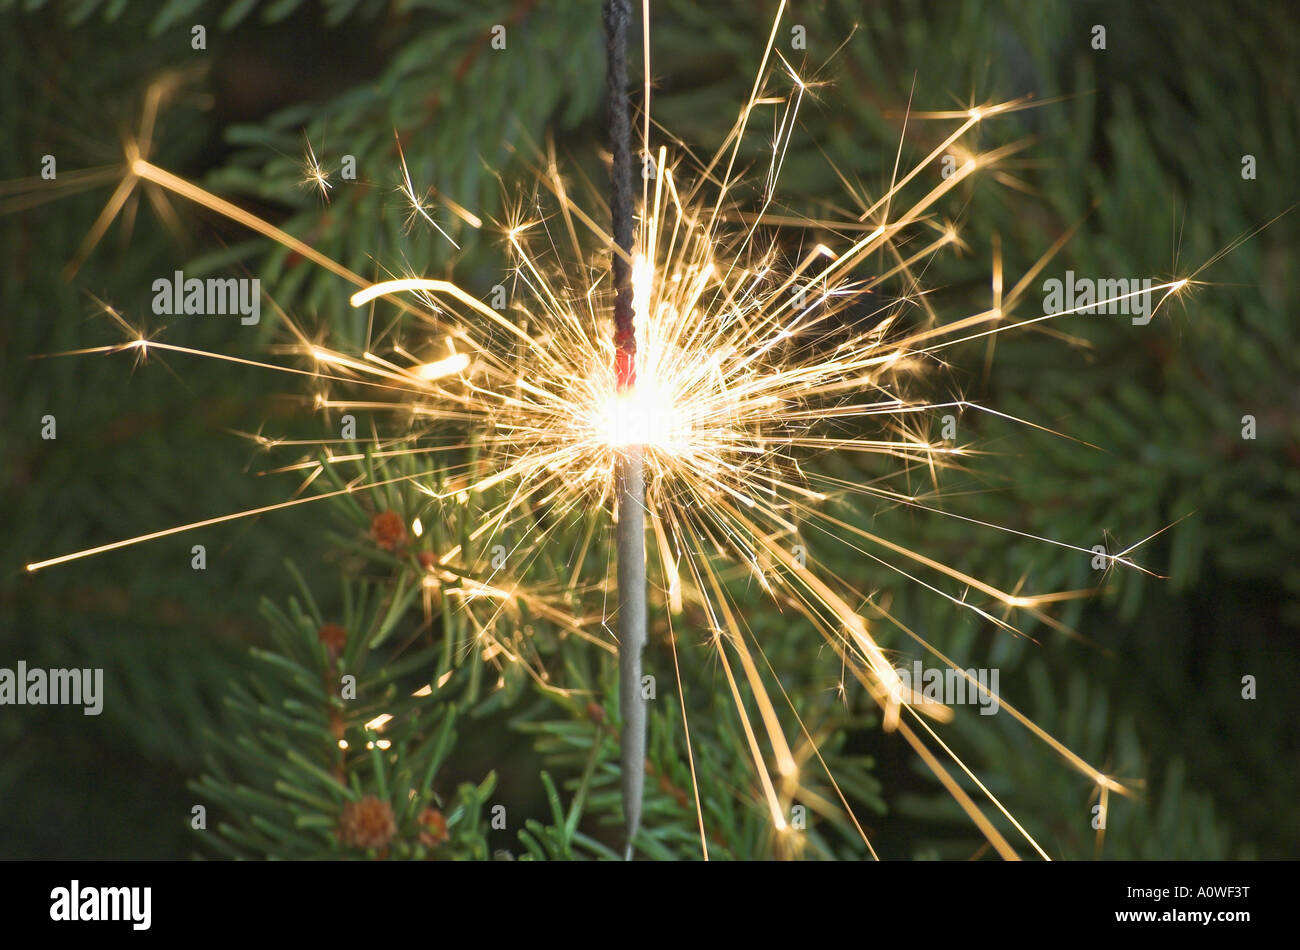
point(630, 531)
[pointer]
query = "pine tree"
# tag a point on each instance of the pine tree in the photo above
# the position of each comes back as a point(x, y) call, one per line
point(484, 757)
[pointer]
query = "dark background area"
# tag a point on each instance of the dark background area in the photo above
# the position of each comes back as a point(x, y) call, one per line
point(1142, 143)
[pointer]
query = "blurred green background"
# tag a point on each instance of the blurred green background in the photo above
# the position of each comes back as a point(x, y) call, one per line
point(1140, 144)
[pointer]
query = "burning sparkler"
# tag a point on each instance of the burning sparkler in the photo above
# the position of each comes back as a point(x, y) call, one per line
point(747, 365)
point(630, 472)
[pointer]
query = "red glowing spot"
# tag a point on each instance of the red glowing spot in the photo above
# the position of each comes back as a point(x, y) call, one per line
point(625, 368)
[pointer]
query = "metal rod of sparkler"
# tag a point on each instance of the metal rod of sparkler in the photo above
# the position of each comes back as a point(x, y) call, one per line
point(630, 480)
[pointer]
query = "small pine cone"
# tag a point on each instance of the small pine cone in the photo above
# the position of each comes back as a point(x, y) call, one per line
point(334, 637)
point(368, 823)
point(435, 825)
point(427, 560)
point(388, 530)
